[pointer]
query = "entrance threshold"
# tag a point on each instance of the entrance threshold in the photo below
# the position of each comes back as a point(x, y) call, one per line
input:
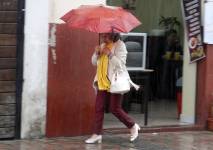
point(154, 129)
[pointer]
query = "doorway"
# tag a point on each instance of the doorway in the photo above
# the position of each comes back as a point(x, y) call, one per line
point(164, 56)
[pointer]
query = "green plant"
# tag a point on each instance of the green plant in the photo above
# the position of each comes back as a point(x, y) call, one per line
point(169, 23)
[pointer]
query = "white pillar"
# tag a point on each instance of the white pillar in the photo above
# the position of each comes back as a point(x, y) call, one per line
point(34, 96)
point(189, 87)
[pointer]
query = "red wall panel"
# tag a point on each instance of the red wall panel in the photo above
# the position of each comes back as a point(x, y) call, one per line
point(71, 97)
point(204, 86)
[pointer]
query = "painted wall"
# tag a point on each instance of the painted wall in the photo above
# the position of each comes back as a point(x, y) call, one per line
point(35, 69)
point(148, 17)
point(59, 7)
point(205, 87)
point(205, 72)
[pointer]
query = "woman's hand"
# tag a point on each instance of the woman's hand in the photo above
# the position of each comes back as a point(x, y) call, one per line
point(98, 50)
point(106, 51)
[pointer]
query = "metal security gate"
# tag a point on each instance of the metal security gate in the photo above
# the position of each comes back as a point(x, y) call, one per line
point(10, 67)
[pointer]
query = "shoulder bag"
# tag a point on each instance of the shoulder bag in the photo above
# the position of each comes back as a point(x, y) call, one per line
point(120, 83)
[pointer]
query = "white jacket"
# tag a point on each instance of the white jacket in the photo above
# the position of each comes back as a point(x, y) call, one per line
point(117, 63)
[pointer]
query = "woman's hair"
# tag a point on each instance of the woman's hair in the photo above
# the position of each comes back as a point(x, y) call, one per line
point(114, 36)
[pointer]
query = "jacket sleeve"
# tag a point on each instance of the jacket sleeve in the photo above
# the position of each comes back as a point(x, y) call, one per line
point(95, 56)
point(94, 59)
point(120, 54)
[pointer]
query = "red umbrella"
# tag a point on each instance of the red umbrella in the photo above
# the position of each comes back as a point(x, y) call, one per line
point(101, 19)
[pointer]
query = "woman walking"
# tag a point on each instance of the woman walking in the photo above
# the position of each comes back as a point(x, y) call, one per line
point(110, 57)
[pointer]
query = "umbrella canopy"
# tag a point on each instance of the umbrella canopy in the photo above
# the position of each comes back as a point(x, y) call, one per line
point(101, 19)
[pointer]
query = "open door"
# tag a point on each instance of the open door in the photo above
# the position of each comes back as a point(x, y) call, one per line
point(71, 98)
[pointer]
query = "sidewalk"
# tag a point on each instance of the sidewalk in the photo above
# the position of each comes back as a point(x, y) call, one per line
point(202, 140)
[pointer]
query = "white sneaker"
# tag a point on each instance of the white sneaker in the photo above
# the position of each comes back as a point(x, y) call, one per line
point(93, 139)
point(134, 132)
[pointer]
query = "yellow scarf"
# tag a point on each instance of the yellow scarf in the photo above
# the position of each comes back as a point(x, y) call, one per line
point(102, 69)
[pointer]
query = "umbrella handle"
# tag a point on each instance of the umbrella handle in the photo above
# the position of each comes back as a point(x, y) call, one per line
point(99, 40)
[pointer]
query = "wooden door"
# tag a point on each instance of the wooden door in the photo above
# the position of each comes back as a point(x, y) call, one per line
point(8, 23)
point(71, 97)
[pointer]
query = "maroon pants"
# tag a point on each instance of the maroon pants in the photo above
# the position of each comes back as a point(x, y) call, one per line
point(115, 108)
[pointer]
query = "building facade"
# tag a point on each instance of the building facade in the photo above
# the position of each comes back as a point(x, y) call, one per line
point(40, 93)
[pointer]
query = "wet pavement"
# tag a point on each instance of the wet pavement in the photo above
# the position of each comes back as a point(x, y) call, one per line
point(199, 140)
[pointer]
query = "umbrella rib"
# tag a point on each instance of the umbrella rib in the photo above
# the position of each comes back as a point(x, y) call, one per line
point(101, 19)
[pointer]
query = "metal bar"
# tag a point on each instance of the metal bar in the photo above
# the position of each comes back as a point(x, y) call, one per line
point(19, 72)
point(146, 99)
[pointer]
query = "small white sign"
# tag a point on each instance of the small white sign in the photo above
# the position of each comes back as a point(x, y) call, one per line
point(208, 22)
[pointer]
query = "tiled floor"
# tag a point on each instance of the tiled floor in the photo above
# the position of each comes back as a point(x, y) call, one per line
point(160, 113)
point(202, 140)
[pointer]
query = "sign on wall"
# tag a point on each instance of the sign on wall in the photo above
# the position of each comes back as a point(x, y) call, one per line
point(208, 22)
point(192, 17)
